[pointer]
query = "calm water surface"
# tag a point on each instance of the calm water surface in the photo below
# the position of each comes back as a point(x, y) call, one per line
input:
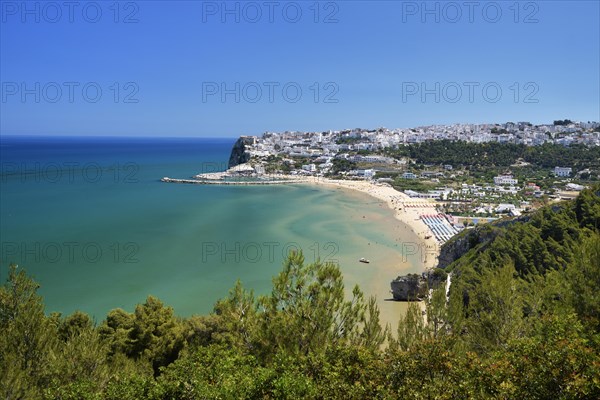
point(89, 218)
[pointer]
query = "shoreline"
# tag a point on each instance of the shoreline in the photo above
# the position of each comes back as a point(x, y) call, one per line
point(405, 209)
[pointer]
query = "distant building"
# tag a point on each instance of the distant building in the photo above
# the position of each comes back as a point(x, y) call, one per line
point(562, 171)
point(377, 159)
point(409, 175)
point(309, 167)
point(367, 173)
point(430, 195)
point(574, 187)
point(385, 180)
point(441, 194)
point(505, 180)
point(515, 213)
point(503, 138)
point(505, 208)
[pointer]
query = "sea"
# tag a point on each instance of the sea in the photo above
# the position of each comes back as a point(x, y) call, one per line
point(90, 220)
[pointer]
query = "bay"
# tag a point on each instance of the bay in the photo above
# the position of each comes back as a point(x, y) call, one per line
point(91, 221)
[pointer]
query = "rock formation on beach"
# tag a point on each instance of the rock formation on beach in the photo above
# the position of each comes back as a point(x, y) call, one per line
point(414, 287)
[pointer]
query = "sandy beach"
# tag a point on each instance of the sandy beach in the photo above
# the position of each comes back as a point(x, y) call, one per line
point(407, 210)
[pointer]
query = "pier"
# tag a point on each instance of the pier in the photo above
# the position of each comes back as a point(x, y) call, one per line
point(223, 182)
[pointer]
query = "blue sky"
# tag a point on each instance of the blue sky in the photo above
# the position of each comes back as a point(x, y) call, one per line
point(222, 69)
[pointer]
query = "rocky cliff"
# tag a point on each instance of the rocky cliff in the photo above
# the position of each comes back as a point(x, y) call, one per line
point(470, 238)
point(239, 152)
point(414, 287)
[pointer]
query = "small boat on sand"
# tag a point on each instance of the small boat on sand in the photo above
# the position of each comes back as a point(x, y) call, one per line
point(364, 260)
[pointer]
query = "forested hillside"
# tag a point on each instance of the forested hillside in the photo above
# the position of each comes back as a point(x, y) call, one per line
point(460, 153)
point(546, 240)
point(522, 321)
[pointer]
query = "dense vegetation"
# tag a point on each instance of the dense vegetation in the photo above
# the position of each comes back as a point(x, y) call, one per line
point(563, 122)
point(342, 165)
point(522, 321)
point(544, 241)
point(349, 140)
point(494, 154)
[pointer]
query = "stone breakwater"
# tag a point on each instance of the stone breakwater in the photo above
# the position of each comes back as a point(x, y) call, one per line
point(222, 182)
point(241, 174)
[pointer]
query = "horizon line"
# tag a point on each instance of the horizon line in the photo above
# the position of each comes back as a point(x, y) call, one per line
point(133, 136)
point(41, 135)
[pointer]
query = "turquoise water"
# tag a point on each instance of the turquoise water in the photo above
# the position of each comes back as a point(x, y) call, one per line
point(90, 220)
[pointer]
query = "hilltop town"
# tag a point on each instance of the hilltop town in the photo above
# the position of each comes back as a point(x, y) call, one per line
point(474, 171)
point(335, 143)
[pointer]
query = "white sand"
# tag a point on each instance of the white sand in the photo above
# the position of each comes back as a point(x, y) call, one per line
point(407, 210)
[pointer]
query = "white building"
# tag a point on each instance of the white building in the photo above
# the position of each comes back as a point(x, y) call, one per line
point(562, 171)
point(575, 187)
point(503, 208)
point(430, 195)
point(409, 175)
point(367, 173)
point(505, 180)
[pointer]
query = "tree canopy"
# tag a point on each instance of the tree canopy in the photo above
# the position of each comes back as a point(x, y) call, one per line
point(494, 154)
